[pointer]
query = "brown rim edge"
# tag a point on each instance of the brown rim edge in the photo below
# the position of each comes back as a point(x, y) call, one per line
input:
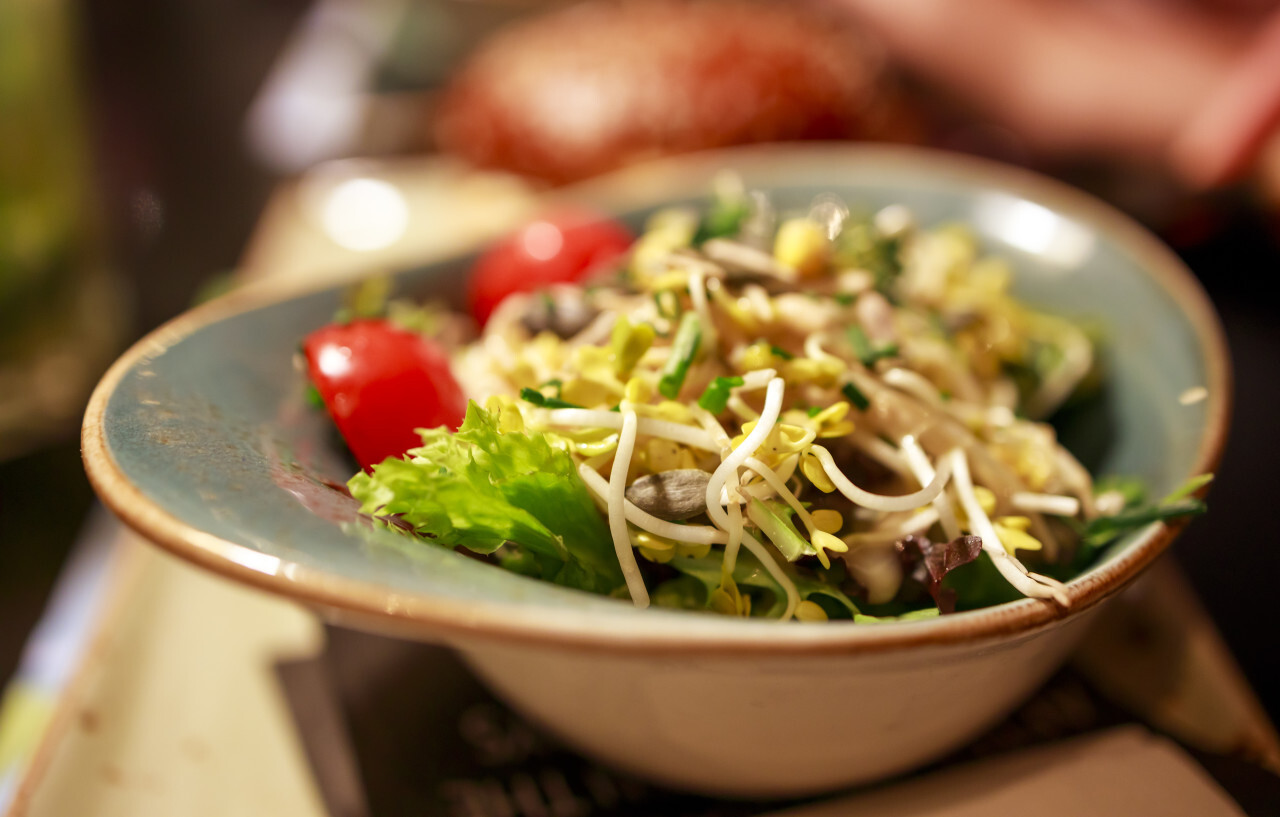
point(456, 621)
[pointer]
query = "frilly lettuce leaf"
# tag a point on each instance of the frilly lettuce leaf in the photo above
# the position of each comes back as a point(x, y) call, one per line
point(482, 489)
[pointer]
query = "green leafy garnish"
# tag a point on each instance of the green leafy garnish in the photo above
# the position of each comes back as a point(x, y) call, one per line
point(778, 351)
point(484, 490)
point(855, 397)
point(1104, 530)
point(683, 350)
point(539, 399)
point(716, 396)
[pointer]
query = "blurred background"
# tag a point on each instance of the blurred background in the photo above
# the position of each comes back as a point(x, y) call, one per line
point(144, 144)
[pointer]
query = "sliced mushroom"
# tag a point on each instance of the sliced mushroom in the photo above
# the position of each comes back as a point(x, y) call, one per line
point(742, 261)
point(563, 311)
point(671, 495)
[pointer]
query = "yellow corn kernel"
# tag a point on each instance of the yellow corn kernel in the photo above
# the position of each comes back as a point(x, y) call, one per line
point(802, 245)
point(628, 344)
point(638, 390)
point(586, 391)
point(523, 376)
point(549, 348)
point(596, 363)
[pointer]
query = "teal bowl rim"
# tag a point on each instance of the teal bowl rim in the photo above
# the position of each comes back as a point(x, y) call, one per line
point(373, 606)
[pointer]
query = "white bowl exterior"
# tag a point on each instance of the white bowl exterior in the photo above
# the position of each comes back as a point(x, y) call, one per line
point(758, 727)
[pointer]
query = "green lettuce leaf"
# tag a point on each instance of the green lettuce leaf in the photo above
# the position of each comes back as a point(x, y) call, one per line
point(481, 489)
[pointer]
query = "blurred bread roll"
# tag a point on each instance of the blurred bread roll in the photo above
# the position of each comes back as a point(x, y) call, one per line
point(597, 85)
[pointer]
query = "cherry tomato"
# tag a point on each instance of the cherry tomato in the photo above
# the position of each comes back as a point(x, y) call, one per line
point(379, 383)
point(557, 249)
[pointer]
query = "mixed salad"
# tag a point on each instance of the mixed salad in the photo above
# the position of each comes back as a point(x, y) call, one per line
point(813, 415)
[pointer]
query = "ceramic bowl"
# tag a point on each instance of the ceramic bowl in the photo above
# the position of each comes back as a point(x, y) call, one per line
point(199, 438)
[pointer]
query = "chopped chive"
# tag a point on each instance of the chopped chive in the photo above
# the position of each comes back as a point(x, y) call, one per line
point(716, 396)
point(860, 342)
point(782, 353)
point(814, 411)
point(723, 218)
point(683, 349)
point(539, 399)
point(1105, 528)
point(856, 397)
point(845, 298)
point(1188, 488)
point(863, 349)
